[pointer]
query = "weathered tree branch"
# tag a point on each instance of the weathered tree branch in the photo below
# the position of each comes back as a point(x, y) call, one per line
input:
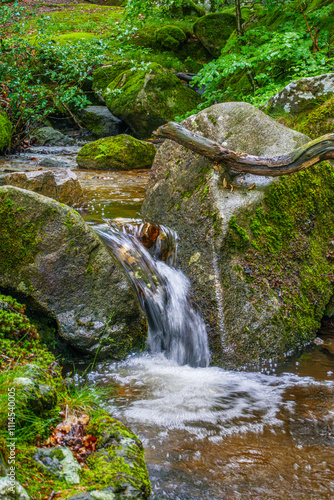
point(299, 159)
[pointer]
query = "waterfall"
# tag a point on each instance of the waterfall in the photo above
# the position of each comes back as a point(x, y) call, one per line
point(148, 254)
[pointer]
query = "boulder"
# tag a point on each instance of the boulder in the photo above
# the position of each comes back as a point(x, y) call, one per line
point(5, 131)
point(60, 462)
point(255, 248)
point(104, 75)
point(302, 95)
point(12, 490)
point(52, 258)
point(121, 152)
point(61, 186)
point(170, 37)
point(48, 136)
point(100, 122)
point(149, 97)
point(213, 31)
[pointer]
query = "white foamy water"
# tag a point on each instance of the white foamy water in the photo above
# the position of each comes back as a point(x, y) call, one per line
point(204, 402)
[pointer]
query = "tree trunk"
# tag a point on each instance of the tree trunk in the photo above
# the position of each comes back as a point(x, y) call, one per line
point(299, 159)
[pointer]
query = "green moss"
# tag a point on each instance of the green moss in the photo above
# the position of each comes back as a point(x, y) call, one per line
point(58, 454)
point(148, 98)
point(121, 152)
point(213, 30)
point(103, 76)
point(170, 37)
point(5, 131)
point(290, 251)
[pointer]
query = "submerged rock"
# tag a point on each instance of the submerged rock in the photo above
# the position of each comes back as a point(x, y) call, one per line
point(61, 186)
point(5, 131)
point(121, 152)
point(149, 97)
point(99, 121)
point(55, 260)
point(48, 136)
point(303, 95)
point(213, 31)
point(255, 248)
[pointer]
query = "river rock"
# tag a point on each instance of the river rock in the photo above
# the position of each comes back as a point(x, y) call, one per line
point(60, 462)
point(55, 260)
point(255, 248)
point(122, 152)
point(99, 121)
point(149, 97)
point(213, 31)
point(62, 186)
point(303, 95)
point(48, 136)
point(5, 131)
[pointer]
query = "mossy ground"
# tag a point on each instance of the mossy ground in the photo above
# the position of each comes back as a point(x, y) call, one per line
point(20, 344)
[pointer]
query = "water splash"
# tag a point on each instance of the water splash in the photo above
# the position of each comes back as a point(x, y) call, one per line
point(175, 328)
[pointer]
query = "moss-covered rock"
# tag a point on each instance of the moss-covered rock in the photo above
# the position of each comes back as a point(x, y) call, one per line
point(170, 37)
point(5, 131)
point(187, 8)
point(100, 122)
point(50, 256)
point(121, 152)
point(213, 30)
point(259, 255)
point(148, 98)
point(104, 75)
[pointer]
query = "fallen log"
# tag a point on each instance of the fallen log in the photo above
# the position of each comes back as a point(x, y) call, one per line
point(299, 159)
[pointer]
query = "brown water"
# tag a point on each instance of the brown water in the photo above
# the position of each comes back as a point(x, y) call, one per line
point(215, 434)
point(108, 194)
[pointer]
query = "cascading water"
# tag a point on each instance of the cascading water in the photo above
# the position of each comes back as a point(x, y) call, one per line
point(175, 328)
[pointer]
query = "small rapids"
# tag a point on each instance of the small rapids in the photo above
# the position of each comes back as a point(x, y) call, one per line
point(175, 328)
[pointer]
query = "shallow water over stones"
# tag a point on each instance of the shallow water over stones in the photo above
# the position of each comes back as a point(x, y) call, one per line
point(108, 194)
point(215, 434)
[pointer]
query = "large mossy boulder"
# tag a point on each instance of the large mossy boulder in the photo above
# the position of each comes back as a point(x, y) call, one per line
point(5, 131)
point(121, 152)
point(213, 31)
point(104, 75)
point(148, 98)
point(170, 37)
point(258, 250)
point(56, 262)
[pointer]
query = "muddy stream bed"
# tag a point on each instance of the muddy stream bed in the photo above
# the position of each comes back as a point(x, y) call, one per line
point(210, 433)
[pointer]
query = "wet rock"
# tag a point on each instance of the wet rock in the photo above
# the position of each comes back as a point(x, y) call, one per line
point(303, 95)
point(61, 186)
point(5, 131)
point(48, 136)
point(244, 300)
point(99, 121)
point(60, 462)
point(213, 31)
point(12, 491)
point(148, 98)
point(50, 255)
point(122, 152)
point(53, 163)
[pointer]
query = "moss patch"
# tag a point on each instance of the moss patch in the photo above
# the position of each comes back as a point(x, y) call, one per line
point(170, 37)
point(5, 131)
point(213, 30)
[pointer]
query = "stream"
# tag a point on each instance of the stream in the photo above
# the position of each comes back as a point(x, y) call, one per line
point(208, 433)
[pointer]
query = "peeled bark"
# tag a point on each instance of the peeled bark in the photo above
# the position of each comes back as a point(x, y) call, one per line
point(299, 159)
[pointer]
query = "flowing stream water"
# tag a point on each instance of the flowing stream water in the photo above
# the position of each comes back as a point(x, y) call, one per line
point(208, 433)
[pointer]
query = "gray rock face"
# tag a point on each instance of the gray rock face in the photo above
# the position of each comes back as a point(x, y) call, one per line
point(188, 193)
point(48, 253)
point(60, 462)
point(301, 95)
point(62, 186)
point(99, 121)
point(48, 136)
